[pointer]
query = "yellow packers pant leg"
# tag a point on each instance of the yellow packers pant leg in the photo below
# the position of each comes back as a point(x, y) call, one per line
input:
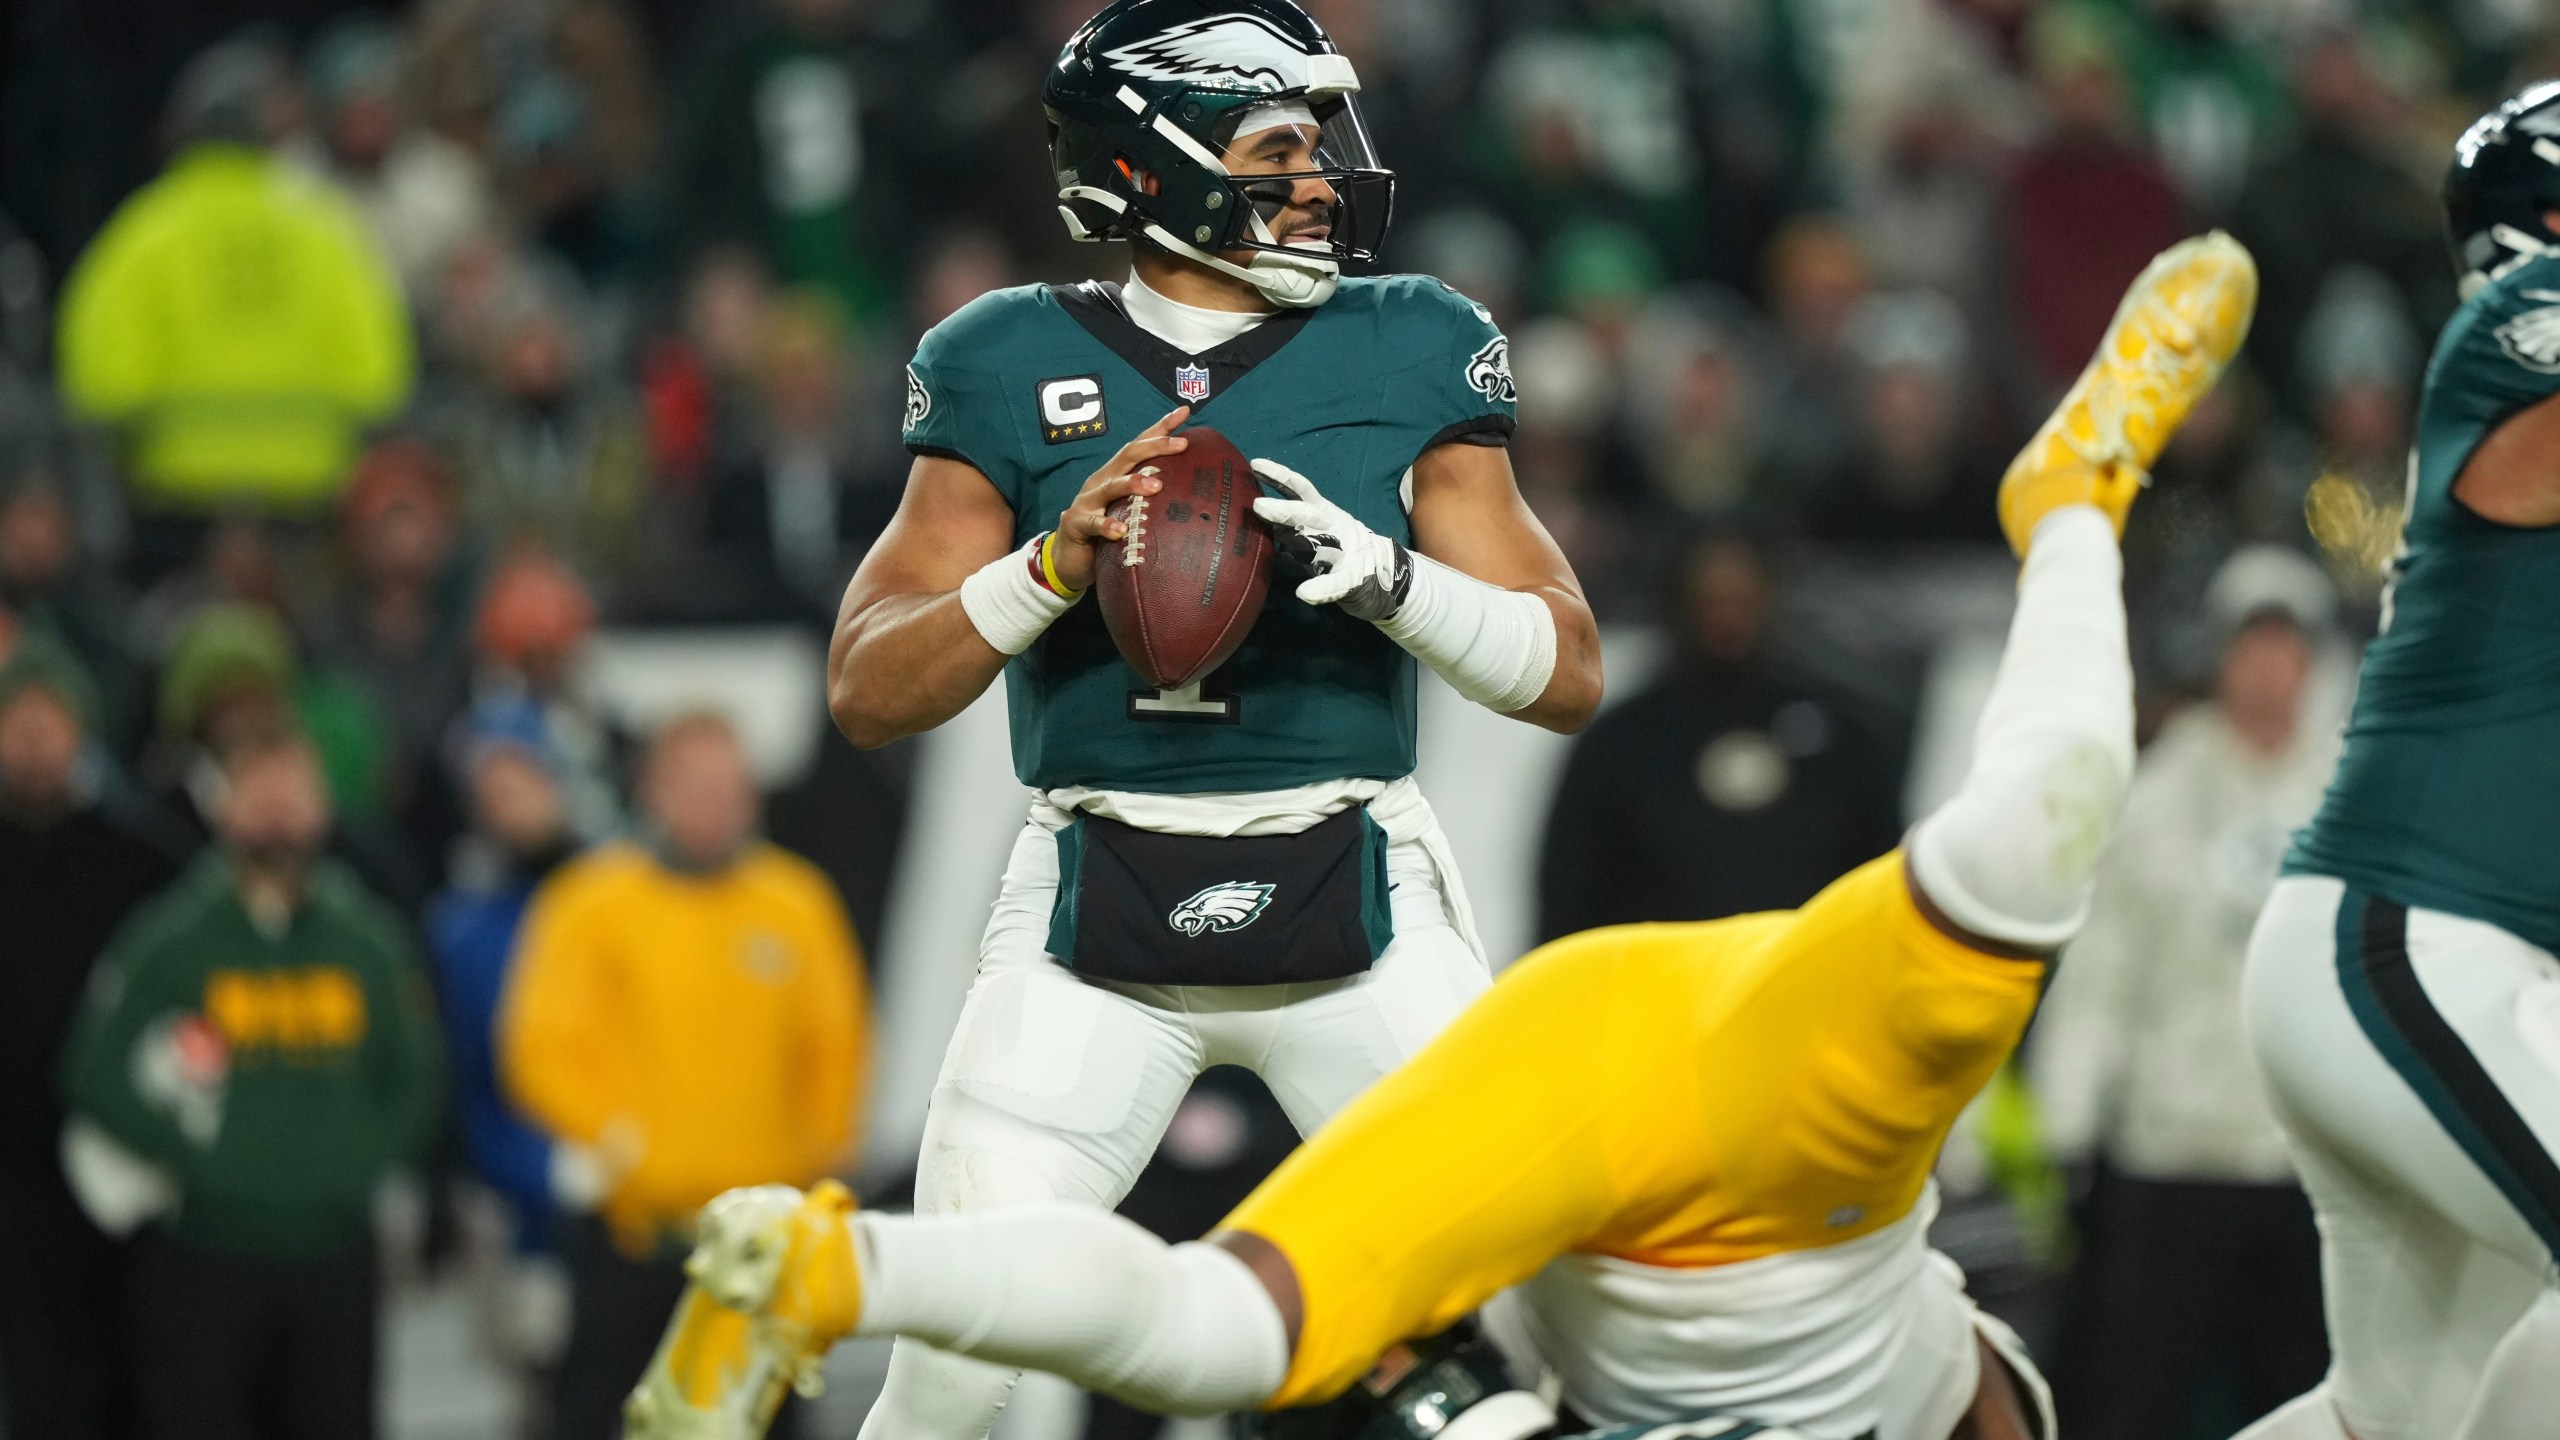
point(1452, 1178)
point(1681, 1095)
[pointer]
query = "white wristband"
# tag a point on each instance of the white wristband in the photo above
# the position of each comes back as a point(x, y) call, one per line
point(1497, 647)
point(1008, 606)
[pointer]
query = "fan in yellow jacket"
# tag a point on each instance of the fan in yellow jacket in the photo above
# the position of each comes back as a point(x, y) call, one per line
point(240, 323)
point(687, 1015)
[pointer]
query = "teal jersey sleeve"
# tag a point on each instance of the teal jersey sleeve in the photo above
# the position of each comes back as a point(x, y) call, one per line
point(1470, 378)
point(957, 402)
point(2500, 354)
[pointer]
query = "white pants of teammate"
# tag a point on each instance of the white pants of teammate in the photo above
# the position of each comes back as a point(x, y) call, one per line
point(1058, 1088)
point(2414, 1058)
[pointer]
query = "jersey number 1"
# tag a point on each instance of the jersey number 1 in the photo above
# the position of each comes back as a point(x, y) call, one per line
point(1185, 706)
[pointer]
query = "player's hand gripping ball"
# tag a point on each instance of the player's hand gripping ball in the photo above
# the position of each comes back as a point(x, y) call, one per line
point(1355, 567)
point(1181, 588)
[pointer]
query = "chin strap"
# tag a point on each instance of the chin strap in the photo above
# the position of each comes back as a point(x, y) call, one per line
point(1289, 280)
point(1292, 281)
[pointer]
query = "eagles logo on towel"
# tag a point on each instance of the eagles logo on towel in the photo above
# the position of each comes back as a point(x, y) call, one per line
point(1229, 906)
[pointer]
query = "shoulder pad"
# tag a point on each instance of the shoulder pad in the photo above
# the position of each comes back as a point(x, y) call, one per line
point(990, 319)
point(1418, 293)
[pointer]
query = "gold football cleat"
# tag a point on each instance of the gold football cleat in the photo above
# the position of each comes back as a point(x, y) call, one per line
point(774, 1285)
point(2178, 326)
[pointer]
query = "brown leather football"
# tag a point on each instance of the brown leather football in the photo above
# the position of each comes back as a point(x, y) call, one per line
point(1182, 589)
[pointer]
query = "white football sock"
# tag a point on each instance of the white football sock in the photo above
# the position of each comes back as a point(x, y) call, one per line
point(2012, 856)
point(1082, 1293)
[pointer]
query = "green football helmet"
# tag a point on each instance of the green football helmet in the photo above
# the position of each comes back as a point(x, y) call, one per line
point(1456, 1385)
point(1143, 103)
point(1452, 1386)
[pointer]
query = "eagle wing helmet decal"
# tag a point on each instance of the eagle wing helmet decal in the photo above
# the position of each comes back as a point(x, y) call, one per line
point(1229, 51)
point(1230, 905)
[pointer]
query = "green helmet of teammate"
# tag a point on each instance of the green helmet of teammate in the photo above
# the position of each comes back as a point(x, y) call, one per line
point(1143, 103)
point(1419, 1390)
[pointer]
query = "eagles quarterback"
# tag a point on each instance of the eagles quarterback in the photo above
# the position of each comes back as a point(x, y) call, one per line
point(1222, 140)
point(2402, 993)
point(1701, 1152)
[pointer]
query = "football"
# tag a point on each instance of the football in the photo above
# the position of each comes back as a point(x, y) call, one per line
point(1182, 589)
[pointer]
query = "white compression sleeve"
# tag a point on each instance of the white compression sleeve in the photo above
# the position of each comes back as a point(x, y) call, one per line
point(1009, 607)
point(1496, 647)
point(2012, 857)
point(1082, 1293)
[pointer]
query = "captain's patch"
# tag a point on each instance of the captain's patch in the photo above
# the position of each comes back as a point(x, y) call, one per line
point(1071, 408)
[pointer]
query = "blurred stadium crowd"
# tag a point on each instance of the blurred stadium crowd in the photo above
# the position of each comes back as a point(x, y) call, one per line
point(357, 369)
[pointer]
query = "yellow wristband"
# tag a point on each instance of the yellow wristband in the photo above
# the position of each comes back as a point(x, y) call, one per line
point(1049, 567)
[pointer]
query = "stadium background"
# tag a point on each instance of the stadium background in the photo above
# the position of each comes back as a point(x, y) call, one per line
point(1785, 281)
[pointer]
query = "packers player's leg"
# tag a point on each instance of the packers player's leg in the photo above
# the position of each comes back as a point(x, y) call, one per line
point(2009, 860)
point(2008, 864)
point(1456, 1176)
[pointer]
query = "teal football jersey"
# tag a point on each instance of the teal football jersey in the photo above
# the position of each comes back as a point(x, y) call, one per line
point(1037, 387)
point(2448, 794)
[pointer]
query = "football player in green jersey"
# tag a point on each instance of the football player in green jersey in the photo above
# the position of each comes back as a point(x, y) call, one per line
point(2403, 996)
point(1240, 871)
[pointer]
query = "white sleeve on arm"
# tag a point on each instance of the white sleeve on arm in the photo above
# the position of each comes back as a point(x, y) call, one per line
point(1008, 605)
point(2013, 857)
point(1497, 647)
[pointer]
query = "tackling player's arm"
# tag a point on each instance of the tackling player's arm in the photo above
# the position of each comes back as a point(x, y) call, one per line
point(1468, 515)
point(907, 653)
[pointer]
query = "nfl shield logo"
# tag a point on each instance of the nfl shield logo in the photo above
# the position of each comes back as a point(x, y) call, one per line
point(1191, 382)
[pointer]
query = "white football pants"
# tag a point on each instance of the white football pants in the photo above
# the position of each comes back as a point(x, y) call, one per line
point(1058, 1088)
point(2414, 1058)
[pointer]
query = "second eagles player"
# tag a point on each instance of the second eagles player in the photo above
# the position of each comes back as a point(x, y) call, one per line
point(1183, 844)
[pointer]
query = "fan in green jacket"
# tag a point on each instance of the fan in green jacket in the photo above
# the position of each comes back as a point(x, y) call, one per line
point(261, 1031)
